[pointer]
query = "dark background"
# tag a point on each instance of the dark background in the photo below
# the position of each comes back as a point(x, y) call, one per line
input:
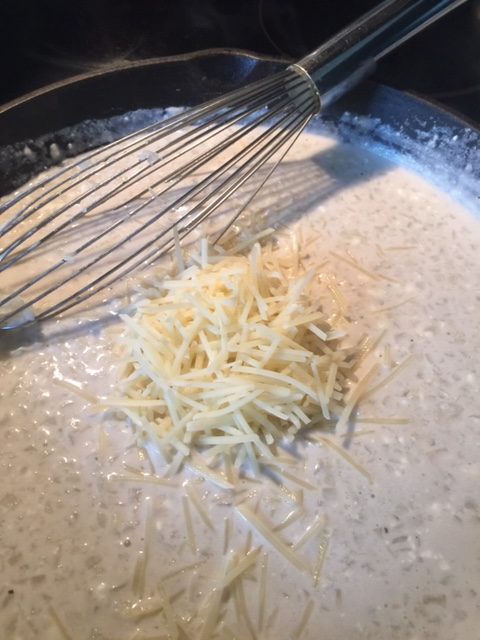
point(42, 41)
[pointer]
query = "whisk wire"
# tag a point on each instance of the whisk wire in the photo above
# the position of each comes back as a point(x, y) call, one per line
point(139, 137)
point(265, 120)
point(88, 291)
point(143, 172)
point(199, 161)
point(197, 189)
point(199, 139)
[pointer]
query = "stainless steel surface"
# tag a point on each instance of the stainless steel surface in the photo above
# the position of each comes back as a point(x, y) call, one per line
point(344, 60)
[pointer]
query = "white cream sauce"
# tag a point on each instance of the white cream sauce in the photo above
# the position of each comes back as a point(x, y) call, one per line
point(404, 552)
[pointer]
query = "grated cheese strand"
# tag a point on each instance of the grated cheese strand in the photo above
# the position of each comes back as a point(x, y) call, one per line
point(242, 604)
point(346, 456)
point(299, 631)
point(141, 478)
point(262, 589)
point(317, 525)
point(199, 507)
point(385, 421)
point(245, 563)
point(322, 554)
point(291, 517)
point(189, 524)
point(59, 624)
point(398, 369)
point(213, 606)
point(269, 536)
point(140, 571)
point(168, 611)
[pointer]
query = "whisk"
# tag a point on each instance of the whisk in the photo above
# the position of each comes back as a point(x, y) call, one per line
point(70, 236)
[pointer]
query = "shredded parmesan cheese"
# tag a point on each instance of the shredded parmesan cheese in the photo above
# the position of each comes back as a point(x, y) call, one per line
point(272, 538)
point(262, 593)
point(189, 524)
point(199, 507)
point(311, 532)
point(398, 369)
point(233, 357)
point(322, 554)
point(59, 624)
point(328, 442)
point(248, 561)
point(291, 517)
point(140, 572)
point(299, 631)
point(141, 478)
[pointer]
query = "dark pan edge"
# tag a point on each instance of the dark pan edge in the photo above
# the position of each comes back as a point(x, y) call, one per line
point(50, 116)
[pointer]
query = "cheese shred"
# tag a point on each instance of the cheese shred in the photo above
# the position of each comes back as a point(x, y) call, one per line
point(59, 624)
point(231, 356)
point(272, 538)
point(189, 524)
point(328, 442)
point(307, 612)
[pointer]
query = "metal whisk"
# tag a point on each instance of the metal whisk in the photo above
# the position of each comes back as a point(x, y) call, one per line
point(64, 239)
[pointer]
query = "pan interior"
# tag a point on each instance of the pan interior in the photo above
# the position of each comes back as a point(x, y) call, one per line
point(83, 514)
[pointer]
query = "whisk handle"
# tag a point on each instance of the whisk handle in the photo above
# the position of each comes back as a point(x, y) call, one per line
point(347, 57)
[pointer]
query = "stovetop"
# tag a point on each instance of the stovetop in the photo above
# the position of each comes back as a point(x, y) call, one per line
point(42, 42)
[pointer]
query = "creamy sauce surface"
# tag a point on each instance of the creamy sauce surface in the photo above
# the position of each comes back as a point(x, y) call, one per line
point(403, 558)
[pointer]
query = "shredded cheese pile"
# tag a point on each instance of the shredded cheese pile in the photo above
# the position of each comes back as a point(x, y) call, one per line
point(232, 355)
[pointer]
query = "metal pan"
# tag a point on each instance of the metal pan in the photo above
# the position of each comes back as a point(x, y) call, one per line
point(69, 117)
point(44, 127)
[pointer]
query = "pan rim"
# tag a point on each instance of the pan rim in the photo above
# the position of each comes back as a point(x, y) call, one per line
point(459, 119)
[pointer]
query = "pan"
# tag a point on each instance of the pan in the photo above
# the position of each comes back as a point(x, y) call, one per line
point(372, 532)
point(49, 116)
